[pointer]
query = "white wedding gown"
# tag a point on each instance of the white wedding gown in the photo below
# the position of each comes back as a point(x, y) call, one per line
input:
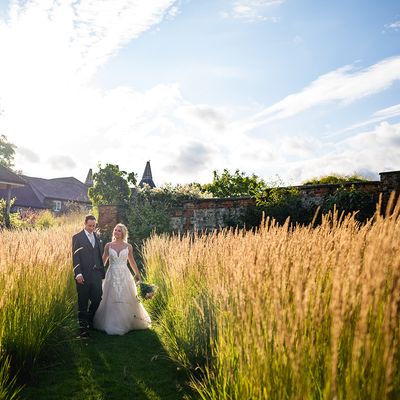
point(120, 310)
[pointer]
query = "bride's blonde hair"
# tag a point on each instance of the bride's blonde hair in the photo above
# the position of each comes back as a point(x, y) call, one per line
point(124, 230)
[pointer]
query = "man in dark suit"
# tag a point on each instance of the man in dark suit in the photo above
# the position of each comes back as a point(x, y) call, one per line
point(89, 272)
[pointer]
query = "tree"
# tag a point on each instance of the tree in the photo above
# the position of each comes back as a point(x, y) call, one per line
point(111, 185)
point(7, 152)
point(234, 184)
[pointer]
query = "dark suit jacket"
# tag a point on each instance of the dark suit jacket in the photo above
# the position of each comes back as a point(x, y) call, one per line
point(83, 255)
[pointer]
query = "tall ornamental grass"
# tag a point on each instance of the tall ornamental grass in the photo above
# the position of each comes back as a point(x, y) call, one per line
point(37, 299)
point(283, 313)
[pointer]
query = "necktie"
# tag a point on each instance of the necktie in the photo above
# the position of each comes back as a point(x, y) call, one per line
point(91, 238)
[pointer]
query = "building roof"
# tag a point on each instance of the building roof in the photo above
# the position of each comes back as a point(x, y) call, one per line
point(147, 176)
point(59, 188)
point(7, 177)
point(37, 190)
point(25, 197)
point(89, 178)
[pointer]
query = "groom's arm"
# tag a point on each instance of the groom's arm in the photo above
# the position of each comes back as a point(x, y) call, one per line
point(76, 248)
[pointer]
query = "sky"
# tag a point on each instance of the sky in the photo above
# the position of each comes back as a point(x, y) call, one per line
point(293, 89)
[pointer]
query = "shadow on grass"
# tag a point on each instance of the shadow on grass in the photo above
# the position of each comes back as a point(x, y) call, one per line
point(133, 366)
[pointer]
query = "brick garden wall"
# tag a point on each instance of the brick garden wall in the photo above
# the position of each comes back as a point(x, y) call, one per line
point(206, 214)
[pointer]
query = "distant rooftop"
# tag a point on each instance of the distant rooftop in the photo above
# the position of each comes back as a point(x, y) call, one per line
point(147, 177)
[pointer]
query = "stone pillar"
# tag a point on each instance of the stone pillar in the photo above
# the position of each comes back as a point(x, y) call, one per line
point(390, 182)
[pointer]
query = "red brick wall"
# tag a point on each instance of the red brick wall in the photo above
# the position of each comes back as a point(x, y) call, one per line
point(108, 217)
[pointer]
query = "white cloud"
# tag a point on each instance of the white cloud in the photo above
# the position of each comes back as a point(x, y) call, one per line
point(28, 155)
point(393, 26)
point(252, 10)
point(343, 85)
point(52, 50)
point(368, 153)
point(381, 115)
point(61, 162)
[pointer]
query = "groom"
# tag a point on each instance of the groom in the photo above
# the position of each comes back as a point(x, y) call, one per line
point(89, 272)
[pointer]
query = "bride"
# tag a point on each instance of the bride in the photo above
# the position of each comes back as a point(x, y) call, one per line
point(120, 310)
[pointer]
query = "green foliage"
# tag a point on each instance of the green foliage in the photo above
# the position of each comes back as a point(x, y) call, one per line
point(281, 203)
point(2, 213)
point(235, 184)
point(14, 219)
point(171, 195)
point(145, 217)
point(27, 219)
point(9, 390)
point(336, 179)
point(149, 211)
point(111, 185)
point(7, 152)
point(350, 199)
point(45, 220)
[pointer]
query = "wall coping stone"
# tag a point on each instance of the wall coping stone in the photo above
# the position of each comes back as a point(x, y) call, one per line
point(390, 173)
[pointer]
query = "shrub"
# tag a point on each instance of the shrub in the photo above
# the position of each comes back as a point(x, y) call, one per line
point(350, 199)
point(149, 208)
point(282, 203)
point(336, 179)
point(45, 220)
point(229, 184)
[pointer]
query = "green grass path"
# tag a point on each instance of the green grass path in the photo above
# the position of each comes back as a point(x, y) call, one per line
point(130, 367)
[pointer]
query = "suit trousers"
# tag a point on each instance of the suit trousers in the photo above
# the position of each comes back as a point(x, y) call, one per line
point(89, 297)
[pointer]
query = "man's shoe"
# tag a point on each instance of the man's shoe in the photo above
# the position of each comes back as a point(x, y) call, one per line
point(84, 334)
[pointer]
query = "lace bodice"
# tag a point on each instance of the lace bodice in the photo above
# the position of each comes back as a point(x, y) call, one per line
point(118, 259)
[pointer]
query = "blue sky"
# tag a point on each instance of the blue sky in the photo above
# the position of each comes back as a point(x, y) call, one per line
point(294, 88)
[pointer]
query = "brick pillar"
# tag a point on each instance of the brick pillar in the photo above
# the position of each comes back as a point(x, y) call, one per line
point(108, 217)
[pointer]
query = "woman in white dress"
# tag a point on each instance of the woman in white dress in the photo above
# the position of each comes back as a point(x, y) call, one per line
point(120, 310)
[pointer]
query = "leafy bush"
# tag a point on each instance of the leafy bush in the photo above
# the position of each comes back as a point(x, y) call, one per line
point(149, 208)
point(229, 184)
point(281, 203)
point(111, 185)
point(336, 179)
point(15, 220)
point(172, 195)
point(45, 220)
point(146, 217)
point(349, 200)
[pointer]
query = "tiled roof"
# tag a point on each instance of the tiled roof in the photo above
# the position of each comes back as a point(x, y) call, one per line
point(37, 190)
point(9, 177)
point(59, 188)
point(24, 197)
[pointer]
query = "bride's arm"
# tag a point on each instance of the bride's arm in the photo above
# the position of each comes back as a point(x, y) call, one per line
point(105, 253)
point(132, 262)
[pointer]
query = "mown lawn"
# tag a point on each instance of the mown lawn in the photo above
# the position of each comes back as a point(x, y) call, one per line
point(133, 366)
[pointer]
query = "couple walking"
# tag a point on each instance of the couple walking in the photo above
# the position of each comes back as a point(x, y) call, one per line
point(111, 305)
